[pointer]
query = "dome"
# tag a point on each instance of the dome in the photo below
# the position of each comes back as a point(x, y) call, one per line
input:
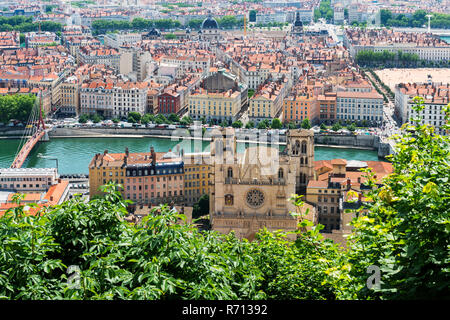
point(154, 32)
point(298, 23)
point(210, 23)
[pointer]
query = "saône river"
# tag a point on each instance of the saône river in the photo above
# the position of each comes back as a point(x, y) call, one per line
point(74, 154)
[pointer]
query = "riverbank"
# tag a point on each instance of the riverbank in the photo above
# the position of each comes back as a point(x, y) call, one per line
point(75, 154)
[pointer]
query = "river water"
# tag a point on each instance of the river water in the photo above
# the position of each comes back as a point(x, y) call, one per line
point(74, 154)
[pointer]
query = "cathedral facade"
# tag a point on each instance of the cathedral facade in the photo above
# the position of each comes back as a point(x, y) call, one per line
point(250, 191)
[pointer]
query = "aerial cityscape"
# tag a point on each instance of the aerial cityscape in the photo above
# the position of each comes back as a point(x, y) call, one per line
point(224, 150)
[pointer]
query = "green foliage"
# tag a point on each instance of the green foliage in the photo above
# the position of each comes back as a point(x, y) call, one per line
point(83, 118)
point(324, 11)
point(250, 125)
point(323, 126)
point(418, 19)
point(17, 106)
point(201, 208)
point(160, 119)
point(186, 120)
point(336, 127)
point(276, 124)
point(263, 124)
point(170, 36)
point(155, 259)
point(173, 117)
point(25, 24)
point(405, 228)
point(352, 127)
point(237, 124)
point(96, 118)
point(306, 124)
point(134, 117)
point(195, 23)
point(252, 15)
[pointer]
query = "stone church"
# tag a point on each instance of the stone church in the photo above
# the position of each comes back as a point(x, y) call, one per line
point(250, 190)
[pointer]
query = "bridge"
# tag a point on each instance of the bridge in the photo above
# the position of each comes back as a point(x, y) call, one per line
point(35, 131)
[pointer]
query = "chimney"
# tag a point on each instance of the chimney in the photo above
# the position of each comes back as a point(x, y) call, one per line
point(126, 152)
point(349, 183)
point(106, 151)
point(359, 197)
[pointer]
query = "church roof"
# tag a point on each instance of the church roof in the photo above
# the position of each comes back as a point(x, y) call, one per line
point(210, 23)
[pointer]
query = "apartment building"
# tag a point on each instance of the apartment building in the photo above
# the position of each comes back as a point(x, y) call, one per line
point(425, 45)
point(267, 103)
point(28, 179)
point(117, 40)
point(360, 107)
point(436, 97)
point(74, 43)
point(98, 55)
point(326, 104)
point(37, 39)
point(197, 169)
point(332, 180)
point(169, 102)
point(69, 102)
point(9, 40)
point(214, 105)
point(148, 178)
point(113, 99)
point(297, 108)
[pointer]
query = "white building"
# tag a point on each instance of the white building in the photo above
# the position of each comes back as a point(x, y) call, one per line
point(117, 40)
point(28, 179)
point(436, 96)
point(357, 107)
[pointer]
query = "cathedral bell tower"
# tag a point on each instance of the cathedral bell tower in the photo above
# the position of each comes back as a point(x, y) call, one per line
point(300, 146)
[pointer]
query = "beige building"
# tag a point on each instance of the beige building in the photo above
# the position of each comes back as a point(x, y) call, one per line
point(250, 191)
point(69, 102)
point(214, 105)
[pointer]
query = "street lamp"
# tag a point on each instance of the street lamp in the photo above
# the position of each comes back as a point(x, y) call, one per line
point(49, 158)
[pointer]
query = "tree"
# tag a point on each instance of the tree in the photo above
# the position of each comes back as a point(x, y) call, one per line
point(403, 228)
point(170, 36)
point(115, 120)
point(252, 15)
point(83, 118)
point(336, 127)
point(96, 118)
point(147, 118)
point(134, 117)
point(263, 124)
point(250, 125)
point(306, 124)
point(195, 23)
point(160, 119)
point(276, 124)
point(352, 127)
point(291, 125)
point(201, 208)
point(186, 120)
point(17, 107)
point(323, 126)
point(237, 124)
point(173, 117)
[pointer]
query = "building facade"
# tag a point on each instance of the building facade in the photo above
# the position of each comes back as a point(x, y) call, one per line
point(249, 191)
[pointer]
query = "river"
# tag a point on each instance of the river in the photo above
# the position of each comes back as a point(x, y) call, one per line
point(74, 154)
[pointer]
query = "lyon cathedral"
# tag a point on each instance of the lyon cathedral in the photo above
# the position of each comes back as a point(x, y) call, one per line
point(250, 190)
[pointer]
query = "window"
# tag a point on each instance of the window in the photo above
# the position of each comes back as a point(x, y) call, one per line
point(280, 173)
point(230, 173)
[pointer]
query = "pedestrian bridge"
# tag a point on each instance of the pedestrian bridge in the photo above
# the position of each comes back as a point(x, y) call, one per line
point(35, 131)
